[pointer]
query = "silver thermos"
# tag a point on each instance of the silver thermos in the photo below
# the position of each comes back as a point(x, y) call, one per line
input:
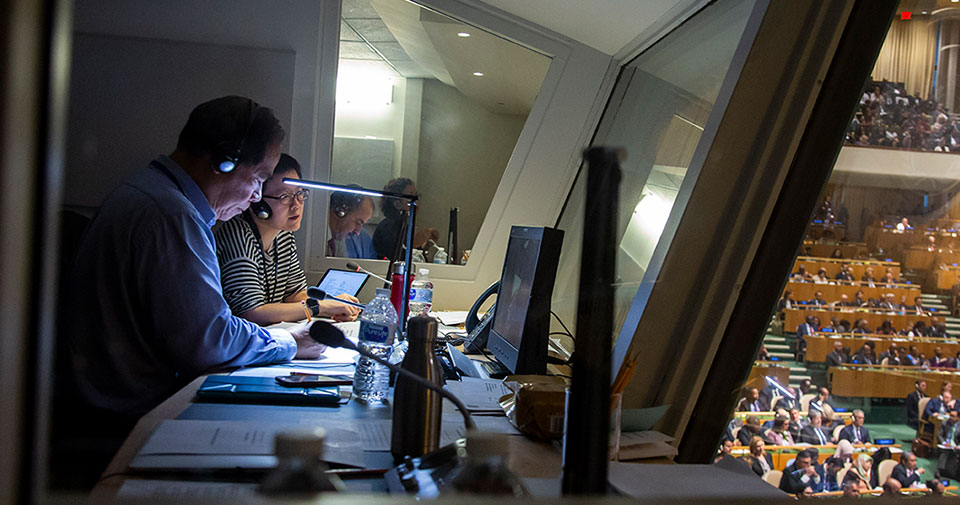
point(417, 410)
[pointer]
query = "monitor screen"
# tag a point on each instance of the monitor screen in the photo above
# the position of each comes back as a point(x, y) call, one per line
point(337, 282)
point(521, 323)
point(513, 299)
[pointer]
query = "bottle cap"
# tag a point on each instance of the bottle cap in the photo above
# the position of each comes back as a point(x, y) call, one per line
point(307, 442)
point(424, 271)
point(485, 444)
point(383, 292)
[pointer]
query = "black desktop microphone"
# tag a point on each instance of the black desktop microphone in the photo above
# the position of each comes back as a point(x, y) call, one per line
point(356, 268)
point(319, 294)
point(331, 336)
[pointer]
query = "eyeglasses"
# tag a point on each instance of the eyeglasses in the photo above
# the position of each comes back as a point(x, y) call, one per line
point(287, 198)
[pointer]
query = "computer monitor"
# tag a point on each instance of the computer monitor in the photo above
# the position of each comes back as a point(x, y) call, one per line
point(521, 326)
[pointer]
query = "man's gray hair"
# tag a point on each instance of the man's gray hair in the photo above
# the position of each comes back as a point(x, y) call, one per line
point(860, 411)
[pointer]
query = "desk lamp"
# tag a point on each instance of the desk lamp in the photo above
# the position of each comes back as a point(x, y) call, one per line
point(411, 199)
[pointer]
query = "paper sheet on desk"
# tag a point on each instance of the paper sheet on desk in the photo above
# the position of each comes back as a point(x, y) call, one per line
point(143, 489)
point(479, 395)
point(245, 438)
point(451, 317)
point(375, 434)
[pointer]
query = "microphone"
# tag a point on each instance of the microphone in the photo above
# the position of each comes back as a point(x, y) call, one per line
point(319, 294)
point(331, 336)
point(356, 268)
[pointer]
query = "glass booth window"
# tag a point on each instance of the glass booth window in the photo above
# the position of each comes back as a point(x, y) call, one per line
point(657, 112)
point(866, 325)
point(425, 105)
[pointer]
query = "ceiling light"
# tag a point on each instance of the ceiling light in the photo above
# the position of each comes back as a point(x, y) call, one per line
point(465, 34)
point(478, 74)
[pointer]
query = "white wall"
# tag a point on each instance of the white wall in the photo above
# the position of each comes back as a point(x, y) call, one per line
point(464, 149)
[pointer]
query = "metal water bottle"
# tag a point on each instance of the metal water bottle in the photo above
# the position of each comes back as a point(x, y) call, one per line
point(417, 410)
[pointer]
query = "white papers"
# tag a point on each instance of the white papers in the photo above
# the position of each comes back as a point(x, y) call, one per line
point(479, 395)
point(375, 435)
point(645, 444)
point(144, 489)
point(451, 317)
point(243, 438)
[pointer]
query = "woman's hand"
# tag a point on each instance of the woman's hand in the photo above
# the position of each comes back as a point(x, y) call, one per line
point(337, 311)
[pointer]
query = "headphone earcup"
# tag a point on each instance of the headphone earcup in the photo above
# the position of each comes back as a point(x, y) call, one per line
point(261, 209)
point(340, 212)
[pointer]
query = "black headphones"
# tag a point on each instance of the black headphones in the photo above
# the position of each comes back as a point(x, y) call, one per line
point(226, 154)
point(344, 203)
point(261, 209)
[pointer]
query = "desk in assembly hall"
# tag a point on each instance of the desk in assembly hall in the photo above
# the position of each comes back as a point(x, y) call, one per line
point(846, 417)
point(946, 276)
point(858, 267)
point(803, 291)
point(925, 258)
point(822, 344)
point(874, 317)
point(763, 369)
point(825, 249)
point(890, 240)
point(782, 454)
point(828, 230)
point(880, 381)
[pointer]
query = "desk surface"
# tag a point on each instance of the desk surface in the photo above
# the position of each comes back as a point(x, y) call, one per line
point(529, 458)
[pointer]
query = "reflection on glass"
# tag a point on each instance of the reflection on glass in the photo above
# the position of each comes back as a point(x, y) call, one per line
point(421, 107)
point(661, 102)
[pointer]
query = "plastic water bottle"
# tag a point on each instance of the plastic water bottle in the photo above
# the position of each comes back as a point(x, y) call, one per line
point(483, 470)
point(421, 293)
point(441, 256)
point(378, 327)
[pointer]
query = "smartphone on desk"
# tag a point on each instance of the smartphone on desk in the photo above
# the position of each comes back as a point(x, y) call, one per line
point(311, 381)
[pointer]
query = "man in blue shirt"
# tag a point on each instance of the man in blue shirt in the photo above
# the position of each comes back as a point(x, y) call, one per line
point(149, 315)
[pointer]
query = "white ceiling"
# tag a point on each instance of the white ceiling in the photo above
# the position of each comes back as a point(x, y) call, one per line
point(607, 25)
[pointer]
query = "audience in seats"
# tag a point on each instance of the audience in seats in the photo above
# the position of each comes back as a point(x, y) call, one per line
point(860, 326)
point(860, 299)
point(808, 328)
point(856, 432)
point(802, 473)
point(821, 404)
point(866, 355)
point(794, 424)
point(845, 273)
point(751, 402)
point(851, 487)
point(906, 473)
point(863, 469)
point(831, 466)
point(751, 429)
point(844, 451)
point(913, 403)
point(725, 448)
point(949, 430)
point(886, 328)
point(813, 432)
point(939, 407)
point(821, 277)
point(762, 462)
point(818, 300)
point(836, 357)
point(778, 434)
point(868, 277)
point(889, 117)
point(891, 488)
point(936, 486)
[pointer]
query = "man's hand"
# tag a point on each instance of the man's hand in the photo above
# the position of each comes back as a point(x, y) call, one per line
point(921, 471)
point(423, 235)
point(339, 312)
point(307, 347)
point(810, 471)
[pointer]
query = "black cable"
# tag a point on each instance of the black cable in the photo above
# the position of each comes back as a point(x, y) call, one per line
point(563, 325)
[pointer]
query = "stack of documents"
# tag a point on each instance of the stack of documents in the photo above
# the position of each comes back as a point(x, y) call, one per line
point(645, 444)
point(480, 396)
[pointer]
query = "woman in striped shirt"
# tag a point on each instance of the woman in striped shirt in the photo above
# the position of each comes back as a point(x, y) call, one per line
point(259, 270)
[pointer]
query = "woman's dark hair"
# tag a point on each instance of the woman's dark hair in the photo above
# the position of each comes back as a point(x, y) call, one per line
point(225, 125)
point(388, 204)
point(286, 164)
